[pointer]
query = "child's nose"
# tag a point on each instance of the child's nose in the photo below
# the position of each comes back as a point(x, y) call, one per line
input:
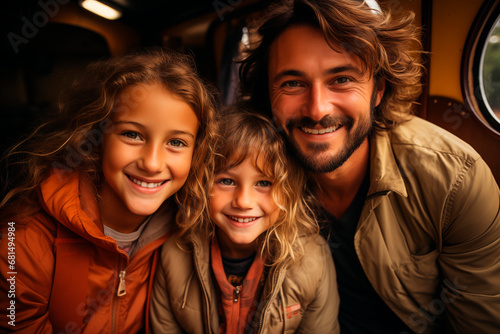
point(153, 159)
point(244, 198)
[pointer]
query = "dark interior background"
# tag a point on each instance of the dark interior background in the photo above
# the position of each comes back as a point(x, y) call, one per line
point(47, 43)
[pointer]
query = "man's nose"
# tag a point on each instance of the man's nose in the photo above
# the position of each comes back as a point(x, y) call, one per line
point(319, 103)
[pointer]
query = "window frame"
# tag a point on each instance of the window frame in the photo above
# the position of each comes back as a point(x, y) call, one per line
point(473, 55)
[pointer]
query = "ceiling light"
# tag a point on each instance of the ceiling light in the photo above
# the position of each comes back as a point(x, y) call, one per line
point(101, 9)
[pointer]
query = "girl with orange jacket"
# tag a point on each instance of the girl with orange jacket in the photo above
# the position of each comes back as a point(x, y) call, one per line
point(98, 191)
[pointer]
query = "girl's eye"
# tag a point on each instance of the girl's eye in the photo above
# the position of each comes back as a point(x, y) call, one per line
point(264, 183)
point(177, 143)
point(131, 135)
point(226, 182)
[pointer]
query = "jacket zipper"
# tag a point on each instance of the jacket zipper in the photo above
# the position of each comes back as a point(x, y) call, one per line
point(120, 291)
point(237, 291)
point(235, 314)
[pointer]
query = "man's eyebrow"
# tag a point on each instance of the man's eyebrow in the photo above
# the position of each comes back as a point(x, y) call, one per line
point(341, 69)
point(330, 71)
point(286, 73)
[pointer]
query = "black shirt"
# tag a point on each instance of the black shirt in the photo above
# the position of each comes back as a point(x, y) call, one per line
point(236, 269)
point(361, 308)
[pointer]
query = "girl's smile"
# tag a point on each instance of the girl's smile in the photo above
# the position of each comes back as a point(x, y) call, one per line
point(242, 207)
point(146, 157)
point(147, 186)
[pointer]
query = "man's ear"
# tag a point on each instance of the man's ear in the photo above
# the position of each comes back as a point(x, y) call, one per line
point(380, 87)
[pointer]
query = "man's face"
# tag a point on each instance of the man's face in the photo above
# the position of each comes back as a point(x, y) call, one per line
point(320, 97)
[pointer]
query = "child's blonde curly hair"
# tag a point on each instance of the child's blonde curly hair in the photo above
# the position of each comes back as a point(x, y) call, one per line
point(244, 134)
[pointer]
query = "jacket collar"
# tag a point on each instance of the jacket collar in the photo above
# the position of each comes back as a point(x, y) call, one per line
point(385, 175)
point(68, 197)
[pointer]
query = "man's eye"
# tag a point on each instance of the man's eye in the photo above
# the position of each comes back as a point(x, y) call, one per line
point(342, 80)
point(177, 143)
point(226, 182)
point(264, 183)
point(291, 84)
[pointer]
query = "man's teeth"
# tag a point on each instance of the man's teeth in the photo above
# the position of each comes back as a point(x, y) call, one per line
point(319, 131)
point(145, 184)
point(243, 220)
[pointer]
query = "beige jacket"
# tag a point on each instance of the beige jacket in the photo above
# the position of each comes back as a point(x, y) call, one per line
point(300, 299)
point(429, 233)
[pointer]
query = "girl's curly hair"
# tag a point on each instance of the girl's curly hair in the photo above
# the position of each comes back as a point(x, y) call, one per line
point(70, 142)
point(245, 134)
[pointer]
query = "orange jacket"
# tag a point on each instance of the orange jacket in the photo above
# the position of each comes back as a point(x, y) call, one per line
point(25, 288)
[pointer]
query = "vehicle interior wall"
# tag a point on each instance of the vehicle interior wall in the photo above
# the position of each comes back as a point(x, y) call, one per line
point(32, 78)
point(452, 21)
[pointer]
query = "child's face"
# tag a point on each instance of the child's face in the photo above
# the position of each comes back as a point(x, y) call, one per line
point(242, 207)
point(147, 156)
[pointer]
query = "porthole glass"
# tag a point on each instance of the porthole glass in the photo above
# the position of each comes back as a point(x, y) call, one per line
point(490, 73)
point(481, 67)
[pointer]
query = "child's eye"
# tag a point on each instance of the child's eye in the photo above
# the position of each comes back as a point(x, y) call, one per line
point(177, 143)
point(131, 134)
point(264, 183)
point(226, 182)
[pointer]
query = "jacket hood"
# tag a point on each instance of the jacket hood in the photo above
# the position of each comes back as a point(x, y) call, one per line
point(70, 199)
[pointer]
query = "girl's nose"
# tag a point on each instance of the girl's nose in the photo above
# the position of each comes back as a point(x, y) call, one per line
point(244, 198)
point(153, 159)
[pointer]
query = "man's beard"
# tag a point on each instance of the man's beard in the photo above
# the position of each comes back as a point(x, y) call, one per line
point(353, 140)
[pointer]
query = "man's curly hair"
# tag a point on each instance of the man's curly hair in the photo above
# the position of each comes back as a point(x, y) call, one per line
point(388, 47)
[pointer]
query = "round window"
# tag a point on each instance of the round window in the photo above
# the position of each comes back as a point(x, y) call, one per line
point(481, 66)
point(490, 72)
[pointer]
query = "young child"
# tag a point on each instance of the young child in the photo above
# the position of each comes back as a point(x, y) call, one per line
point(254, 262)
point(82, 231)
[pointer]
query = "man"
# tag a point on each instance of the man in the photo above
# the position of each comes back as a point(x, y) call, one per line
point(412, 211)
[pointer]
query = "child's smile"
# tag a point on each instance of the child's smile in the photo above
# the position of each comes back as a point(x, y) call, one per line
point(147, 186)
point(242, 207)
point(146, 157)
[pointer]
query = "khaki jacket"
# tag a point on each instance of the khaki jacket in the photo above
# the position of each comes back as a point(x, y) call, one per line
point(66, 199)
point(300, 299)
point(429, 233)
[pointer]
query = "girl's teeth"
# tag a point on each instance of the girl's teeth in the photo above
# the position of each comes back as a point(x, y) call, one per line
point(146, 184)
point(242, 220)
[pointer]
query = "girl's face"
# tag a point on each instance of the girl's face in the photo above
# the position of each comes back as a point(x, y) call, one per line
point(242, 208)
point(146, 156)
